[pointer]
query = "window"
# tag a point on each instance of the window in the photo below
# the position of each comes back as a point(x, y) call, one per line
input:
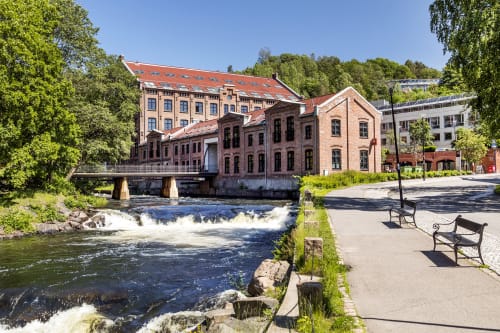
point(336, 127)
point(187, 148)
point(233, 108)
point(277, 161)
point(194, 147)
point(236, 137)
point(250, 140)
point(166, 151)
point(167, 124)
point(244, 109)
point(290, 130)
point(183, 150)
point(184, 106)
point(226, 165)
point(167, 105)
point(277, 130)
point(199, 107)
point(404, 125)
point(434, 122)
point(290, 160)
point(437, 136)
point(227, 138)
point(309, 159)
point(151, 124)
point(184, 122)
point(261, 138)
point(199, 147)
point(151, 150)
point(236, 164)
point(447, 136)
point(262, 162)
point(226, 108)
point(158, 148)
point(363, 159)
point(256, 108)
point(363, 129)
point(176, 150)
point(250, 164)
point(308, 132)
point(151, 104)
point(336, 159)
point(213, 109)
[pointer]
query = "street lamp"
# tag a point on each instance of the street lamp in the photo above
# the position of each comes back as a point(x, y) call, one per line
point(424, 165)
point(398, 167)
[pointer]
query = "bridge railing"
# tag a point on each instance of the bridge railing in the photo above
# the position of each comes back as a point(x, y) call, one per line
point(142, 168)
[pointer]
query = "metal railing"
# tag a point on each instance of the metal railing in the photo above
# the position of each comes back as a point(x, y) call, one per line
point(143, 169)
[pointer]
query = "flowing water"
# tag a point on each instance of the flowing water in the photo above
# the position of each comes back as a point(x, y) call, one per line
point(148, 260)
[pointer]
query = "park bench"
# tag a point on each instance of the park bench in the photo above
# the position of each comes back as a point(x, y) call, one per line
point(465, 233)
point(407, 211)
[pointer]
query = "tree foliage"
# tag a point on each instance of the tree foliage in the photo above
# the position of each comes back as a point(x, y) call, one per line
point(63, 99)
point(38, 133)
point(105, 104)
point(311, 76)
point(470, 32)
point(472, 145)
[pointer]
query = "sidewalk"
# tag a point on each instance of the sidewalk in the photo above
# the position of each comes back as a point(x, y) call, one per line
point(397, 282)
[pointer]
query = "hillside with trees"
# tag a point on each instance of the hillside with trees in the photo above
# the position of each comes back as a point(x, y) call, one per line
point(313, 76)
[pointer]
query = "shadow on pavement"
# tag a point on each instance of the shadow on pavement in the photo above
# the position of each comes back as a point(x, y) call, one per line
point(392, 225)
point(439, 258)
point(461, 327)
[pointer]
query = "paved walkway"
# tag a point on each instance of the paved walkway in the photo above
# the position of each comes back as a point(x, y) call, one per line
point(397, 282)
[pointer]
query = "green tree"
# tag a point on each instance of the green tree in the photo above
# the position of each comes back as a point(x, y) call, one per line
point(472, 145)
point(105, 104)
point(420, 132)
point(38, 133)
point(470, 32)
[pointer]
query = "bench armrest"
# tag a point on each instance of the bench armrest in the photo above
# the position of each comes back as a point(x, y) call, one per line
point(438, 225)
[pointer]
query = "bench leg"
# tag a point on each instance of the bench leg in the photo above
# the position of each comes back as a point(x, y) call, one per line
point(434, 239)
point(455, 249)
point(479, 252)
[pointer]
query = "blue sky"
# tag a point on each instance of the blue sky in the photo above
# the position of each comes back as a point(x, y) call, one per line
point(212, 35)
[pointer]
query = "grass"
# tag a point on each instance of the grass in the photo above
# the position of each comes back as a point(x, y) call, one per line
point(20, 211)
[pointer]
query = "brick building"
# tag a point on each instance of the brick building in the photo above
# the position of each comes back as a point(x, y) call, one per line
point(174, 97)
point(265, 148)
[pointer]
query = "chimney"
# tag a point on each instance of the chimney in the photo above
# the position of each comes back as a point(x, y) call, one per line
point(275, 76)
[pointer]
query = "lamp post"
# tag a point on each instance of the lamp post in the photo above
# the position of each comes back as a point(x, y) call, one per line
point(398, 167)
point(424, 165)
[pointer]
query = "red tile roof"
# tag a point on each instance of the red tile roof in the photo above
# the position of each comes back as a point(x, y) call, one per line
point(203, 127)
point(195, 80)
point(256, 117)
point(312, 102)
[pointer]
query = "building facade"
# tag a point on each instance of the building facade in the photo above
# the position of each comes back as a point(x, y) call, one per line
point(264, 149)
point(444, 114)
point(174, 97)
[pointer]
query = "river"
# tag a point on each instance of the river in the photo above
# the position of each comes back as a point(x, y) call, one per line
point(151, 258)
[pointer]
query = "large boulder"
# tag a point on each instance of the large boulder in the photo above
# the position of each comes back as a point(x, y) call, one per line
point(47, 228)
point(268, 275)
point(254, 307)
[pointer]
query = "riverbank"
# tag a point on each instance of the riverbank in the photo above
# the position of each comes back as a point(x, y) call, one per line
point(34, 212)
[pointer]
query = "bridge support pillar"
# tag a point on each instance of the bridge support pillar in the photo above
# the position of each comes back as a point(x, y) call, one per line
point(169, 188)
point(120, 189)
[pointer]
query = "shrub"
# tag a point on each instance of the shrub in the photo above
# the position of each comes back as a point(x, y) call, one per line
point(47, 213)
point(17, 219)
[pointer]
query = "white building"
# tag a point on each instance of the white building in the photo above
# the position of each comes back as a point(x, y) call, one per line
point(445, 115)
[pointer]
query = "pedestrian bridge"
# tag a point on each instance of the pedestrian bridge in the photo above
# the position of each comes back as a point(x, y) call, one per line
point(120, 173)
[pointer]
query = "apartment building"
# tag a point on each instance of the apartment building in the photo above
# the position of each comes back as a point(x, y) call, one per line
point(174, 97)
point(266, 148)
point(445, 115)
